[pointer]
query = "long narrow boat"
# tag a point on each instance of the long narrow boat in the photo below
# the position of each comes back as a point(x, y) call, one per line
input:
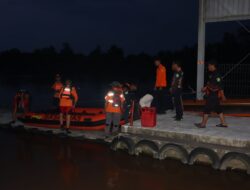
point(91, 119)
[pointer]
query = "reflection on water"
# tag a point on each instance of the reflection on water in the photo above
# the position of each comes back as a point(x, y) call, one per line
point(43, 163)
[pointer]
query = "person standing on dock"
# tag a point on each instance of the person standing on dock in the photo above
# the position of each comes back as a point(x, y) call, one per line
point(114, 108)
point(57, 86)
point(130, 105)
point(176, 90)
point(214, 93)
point(160, 86)
point(68, 99)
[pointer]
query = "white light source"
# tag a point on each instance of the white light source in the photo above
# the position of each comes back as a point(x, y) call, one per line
point(111, 94)
point(67, 89)
point(111, 101)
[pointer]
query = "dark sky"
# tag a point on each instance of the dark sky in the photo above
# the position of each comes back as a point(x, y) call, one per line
point(135, 25)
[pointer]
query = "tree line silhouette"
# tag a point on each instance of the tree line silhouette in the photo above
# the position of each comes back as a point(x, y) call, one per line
point(42, 64)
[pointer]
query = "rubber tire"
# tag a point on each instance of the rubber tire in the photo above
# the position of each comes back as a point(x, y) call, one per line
point(179, 149)
point(205, 151)
point(151, 145)
point(127, 141)
point(245, 159)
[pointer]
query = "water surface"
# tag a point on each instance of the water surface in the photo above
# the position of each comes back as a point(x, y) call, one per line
point(33, 162)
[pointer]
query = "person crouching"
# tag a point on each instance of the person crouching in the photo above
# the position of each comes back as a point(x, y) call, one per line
point(68, 99)
point(114, 108)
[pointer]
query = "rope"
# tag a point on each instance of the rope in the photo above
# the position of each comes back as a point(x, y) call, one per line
point(237, 21)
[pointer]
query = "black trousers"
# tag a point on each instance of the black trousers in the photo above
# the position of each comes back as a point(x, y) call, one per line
point(126, 113)
point(160, 102)
point(128, 108)
point(177, 96)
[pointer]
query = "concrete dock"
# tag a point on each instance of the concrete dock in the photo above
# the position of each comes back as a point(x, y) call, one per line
point(236, 135)
point(222, 148)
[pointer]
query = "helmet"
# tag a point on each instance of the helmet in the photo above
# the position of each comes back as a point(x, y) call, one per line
point(115, 84)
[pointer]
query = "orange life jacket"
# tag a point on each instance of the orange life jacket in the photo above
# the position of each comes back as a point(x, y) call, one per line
point(114, 101)
point(21, 102)
point(57, 87)
point(68, 96)
point(67, 93)
point(161, 76)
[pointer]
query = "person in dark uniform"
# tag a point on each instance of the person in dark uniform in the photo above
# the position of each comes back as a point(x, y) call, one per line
point(129, 97)
point(131, 103)
point(176, 90)
point(214, 94)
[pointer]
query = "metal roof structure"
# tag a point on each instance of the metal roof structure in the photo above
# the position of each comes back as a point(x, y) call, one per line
point(226, 10)
point(216, 11)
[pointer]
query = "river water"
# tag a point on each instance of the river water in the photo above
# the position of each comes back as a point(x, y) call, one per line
point(33, 162)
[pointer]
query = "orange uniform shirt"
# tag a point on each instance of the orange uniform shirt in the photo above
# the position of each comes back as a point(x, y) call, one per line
point(161, 76)
point(57, 86)
point(67, 101)
point(109, 98)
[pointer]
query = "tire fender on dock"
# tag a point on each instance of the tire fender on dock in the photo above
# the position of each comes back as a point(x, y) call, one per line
point(235, 160)
point(204, 155)
point(174, 151)
point(147, 147)
point(123, 143)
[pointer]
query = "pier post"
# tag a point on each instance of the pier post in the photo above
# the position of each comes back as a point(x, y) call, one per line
point(201, 51)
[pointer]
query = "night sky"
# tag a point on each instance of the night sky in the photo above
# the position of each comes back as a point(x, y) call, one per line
point(135, 25)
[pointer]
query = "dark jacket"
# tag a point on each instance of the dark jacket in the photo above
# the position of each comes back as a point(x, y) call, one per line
point(177, 82)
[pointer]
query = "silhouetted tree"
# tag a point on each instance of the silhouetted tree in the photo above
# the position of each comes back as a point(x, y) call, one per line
point(112, 64)
point(66, 49)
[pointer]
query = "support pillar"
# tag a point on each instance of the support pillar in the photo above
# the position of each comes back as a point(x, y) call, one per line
point(201, 52)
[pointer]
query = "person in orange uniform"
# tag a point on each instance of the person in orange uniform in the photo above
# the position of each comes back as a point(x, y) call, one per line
point(57, 86)
point(160, 86)
point(114, 108)
point(21, 104)
point(68, 99)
